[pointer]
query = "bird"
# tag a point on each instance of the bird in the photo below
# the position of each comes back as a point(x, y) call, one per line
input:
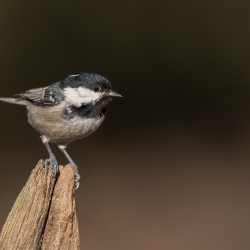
point(66, 111)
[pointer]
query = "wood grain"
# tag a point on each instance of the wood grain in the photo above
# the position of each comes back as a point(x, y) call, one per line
point(61, 231)
point(44, 214)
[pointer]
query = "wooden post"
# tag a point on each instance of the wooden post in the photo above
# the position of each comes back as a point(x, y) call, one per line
point(44, 214)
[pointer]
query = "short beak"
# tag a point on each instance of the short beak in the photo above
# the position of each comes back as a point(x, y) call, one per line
point(114, 94)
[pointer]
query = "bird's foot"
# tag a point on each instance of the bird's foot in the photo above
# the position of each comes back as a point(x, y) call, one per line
point(52, 163)
point(77, 177)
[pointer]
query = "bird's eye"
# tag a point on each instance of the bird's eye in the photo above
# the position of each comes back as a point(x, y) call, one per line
point(97, 88)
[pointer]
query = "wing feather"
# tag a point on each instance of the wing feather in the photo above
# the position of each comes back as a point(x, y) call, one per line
point(39, 97)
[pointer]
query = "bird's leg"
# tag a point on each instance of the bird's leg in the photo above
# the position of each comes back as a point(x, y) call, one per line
point(77, 176)
point(52, 162)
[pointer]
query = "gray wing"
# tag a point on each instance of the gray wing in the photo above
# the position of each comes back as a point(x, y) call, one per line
point(39, 97)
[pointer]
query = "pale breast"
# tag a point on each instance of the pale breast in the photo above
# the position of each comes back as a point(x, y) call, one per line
point(48, 121)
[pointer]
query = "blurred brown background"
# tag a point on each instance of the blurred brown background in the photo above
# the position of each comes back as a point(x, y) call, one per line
point(170, 167)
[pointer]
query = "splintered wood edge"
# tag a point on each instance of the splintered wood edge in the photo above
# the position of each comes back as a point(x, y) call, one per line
point(31, 221)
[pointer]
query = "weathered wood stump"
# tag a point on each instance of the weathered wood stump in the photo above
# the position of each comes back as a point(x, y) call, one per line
point(44, 214)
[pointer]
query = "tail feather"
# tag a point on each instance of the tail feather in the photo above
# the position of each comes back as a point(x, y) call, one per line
point(13, 101)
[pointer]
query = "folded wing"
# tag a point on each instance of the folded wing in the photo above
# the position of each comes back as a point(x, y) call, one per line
point(39, 97)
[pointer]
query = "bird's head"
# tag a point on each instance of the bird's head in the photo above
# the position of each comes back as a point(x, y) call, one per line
point(87, 89)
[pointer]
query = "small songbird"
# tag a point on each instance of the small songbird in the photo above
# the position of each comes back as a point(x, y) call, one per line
point(66, 111)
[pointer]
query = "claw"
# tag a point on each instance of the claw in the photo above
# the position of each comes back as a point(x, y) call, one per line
point(52, 163)
point(47, 162)
point(77, 178)
point(77, 184)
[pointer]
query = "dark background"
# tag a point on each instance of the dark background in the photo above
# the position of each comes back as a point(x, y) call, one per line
point(169, 168)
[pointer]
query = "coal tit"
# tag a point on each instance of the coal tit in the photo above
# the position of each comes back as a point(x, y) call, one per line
point(66, 111)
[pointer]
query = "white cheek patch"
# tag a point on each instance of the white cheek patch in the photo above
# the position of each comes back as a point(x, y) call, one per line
point(81, 95)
